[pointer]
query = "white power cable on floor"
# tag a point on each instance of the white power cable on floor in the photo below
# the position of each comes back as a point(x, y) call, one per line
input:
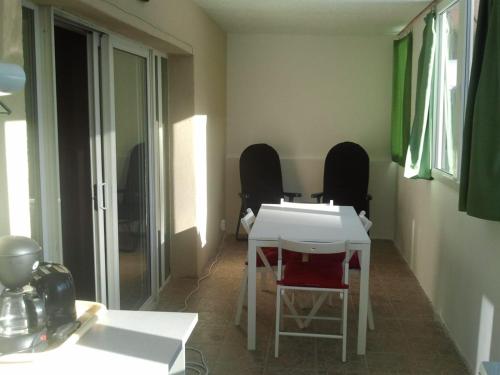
point(216, 260)
point(198, 372)
point(198, 367)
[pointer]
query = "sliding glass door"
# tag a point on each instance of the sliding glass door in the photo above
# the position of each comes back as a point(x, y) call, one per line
point(128, 160)
point(106, 196)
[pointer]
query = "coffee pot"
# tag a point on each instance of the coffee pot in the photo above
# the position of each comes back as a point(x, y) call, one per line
point(22, 310)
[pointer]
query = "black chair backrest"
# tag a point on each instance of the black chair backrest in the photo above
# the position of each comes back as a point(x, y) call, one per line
point(134, 193)
point(260, 175)
point(135, 173)
point(346, 174)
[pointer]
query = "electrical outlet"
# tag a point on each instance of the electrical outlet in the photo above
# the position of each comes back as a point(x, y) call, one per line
point(223, 225)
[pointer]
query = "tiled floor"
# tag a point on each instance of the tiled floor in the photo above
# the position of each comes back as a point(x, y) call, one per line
point(406, 340)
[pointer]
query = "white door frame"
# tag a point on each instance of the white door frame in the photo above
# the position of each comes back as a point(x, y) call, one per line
point(39, 62)
point(98, 184)
point(47, 132)
point(161, 141)
point(108, 44)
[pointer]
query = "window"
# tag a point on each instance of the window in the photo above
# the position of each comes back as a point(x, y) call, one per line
point(454, 29)
point(447, 103)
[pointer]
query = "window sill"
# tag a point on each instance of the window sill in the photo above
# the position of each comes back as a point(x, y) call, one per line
point(446, 178)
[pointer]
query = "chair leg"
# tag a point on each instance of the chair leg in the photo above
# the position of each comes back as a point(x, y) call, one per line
point(278, 322)
point(282, 308)
point(292, 309)
point(241, 297)
point(237, 234)
point(371, 322)
point(317, 305)
point(298, 300)
point(344, 327)
point(240, 215)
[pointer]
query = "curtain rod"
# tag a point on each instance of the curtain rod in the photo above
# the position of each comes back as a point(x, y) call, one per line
point(417, 17)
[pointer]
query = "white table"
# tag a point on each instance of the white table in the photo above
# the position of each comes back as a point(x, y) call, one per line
point(120, 342)
point(308, 222)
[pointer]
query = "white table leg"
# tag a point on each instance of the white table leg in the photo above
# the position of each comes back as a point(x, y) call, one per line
point(252, 283)
point(363, 296)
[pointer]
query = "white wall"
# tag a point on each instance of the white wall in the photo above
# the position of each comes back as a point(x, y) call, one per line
point(455, 257)
point(304, 94)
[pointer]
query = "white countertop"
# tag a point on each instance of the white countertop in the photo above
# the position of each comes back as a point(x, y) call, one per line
point(119, 341)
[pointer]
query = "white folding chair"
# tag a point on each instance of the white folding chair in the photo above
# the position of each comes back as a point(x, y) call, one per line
point(356, 267)
point(304, 276)
point(263, 266)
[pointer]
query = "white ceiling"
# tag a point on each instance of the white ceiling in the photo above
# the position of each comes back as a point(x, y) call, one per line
point(343, 17)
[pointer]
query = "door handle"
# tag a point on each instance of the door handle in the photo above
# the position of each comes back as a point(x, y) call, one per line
point(103, 204)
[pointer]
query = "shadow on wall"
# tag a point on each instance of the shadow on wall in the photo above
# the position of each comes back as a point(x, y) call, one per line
point(200, 175)
point(184, 253)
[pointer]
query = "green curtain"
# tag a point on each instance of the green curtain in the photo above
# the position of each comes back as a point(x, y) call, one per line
point(401, 98)
point(480, 173)
point(419, 155)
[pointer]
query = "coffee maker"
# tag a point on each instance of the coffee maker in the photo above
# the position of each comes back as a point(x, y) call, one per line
point(54, 284)
point(22, 311)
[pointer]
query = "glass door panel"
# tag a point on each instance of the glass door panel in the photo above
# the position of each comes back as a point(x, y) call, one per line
point(130, 77)
point(74, 124)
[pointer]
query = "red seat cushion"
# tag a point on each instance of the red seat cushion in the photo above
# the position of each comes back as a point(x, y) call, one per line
point(312, 274)
point(354, 262)
point(271, 253)
point(291, 256)
point(336, 258)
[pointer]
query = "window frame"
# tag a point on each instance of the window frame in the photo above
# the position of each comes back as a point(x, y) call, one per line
point(40, 118)
point(464, 48)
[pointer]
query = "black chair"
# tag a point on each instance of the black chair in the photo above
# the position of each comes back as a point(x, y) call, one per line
point(261, 182)
point(346, 175)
